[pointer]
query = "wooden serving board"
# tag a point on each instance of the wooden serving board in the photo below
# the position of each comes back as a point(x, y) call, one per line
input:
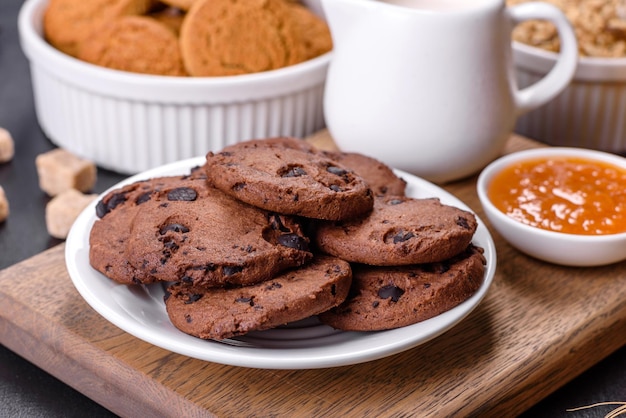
point(539, 326)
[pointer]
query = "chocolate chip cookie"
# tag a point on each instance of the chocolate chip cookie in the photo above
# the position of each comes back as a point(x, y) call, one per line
point(380, 177)
point(287, 176)
point(391, 297)
point(199, 235)
point(290, 296)
point(399, 231)
point(110, 234)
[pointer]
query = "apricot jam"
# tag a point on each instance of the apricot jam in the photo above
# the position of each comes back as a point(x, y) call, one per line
point(564, 194)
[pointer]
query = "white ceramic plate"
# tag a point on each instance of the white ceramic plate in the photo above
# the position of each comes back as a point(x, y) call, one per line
point(140, 310)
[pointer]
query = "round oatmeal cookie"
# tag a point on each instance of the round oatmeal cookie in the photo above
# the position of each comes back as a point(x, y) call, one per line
point(213, 42)
point(137, 44)
point(391, 297)
point(289, 179)
point(378, 175)
point(291, 296)
point(194, 233)
point(66, 23)
point(399, 231)
point(314, 31)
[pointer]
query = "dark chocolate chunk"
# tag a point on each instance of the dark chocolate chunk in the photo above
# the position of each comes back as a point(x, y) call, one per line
point(402, 236)
point(293, 171)
point(143, 198)
point(230, 270)
point(173, 227)
point(193, 297)
point(462, 222)
point(390, 291)
point(293, 241)
point(247, 300)
point(104, 208)
point(186, 194)
point(336, 170)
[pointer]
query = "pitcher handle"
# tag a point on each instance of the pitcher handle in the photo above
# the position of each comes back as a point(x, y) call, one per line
point(562, 73)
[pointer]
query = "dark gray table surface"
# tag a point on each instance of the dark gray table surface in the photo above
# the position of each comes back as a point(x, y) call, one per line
point(26, 390)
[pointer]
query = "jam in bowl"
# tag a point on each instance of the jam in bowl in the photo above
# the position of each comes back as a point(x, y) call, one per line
point(562, 205)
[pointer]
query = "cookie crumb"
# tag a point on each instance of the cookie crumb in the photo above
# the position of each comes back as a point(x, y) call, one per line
point(59, 170)
point(63, 209)
point(7, 146)
point(4, 206)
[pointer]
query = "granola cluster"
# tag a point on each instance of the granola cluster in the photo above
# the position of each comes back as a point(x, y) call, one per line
point(600, 27)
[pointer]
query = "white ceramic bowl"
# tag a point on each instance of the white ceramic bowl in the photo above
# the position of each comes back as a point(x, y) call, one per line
point(589, 113)
point(554, 247)
point(130, 122)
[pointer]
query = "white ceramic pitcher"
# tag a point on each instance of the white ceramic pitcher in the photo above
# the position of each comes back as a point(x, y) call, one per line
point(427, 86)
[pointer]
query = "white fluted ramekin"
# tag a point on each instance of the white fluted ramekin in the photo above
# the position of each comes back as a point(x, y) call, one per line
point(130, 122)
point(589, 113)
point(554, 247)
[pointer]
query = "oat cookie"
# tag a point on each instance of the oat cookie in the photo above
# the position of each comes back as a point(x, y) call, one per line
point(399, 231)
point(67, 23)
point(134, 43)
point(391, 297)
point(231, 37)
point(289, 180)
point(314, 31)
point(291, 296)
point(192, 232)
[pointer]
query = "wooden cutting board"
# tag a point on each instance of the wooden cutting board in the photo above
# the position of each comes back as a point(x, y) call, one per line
point(539, 326)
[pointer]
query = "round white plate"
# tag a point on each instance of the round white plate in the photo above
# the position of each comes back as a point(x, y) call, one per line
point(140, 310)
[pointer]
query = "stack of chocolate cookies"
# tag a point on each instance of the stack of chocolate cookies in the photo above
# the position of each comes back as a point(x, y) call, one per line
point(273, 231)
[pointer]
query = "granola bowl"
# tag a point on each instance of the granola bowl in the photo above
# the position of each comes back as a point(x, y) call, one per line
point(129, 122)
point(589, 113)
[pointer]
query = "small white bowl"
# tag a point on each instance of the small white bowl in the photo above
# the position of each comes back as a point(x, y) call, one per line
point(555, 247)
point(130, 122)
point(589, 113)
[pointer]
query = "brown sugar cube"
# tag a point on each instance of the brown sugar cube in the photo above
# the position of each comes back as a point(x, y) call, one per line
point(59, 170)
point(7, 147)
point(63, 209)
point(4, 206)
